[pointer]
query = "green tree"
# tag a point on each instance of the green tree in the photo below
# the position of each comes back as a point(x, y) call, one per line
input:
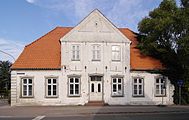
point(164, 34)
point(5, 75)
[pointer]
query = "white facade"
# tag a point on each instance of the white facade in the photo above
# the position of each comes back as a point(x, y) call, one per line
point(95, 60)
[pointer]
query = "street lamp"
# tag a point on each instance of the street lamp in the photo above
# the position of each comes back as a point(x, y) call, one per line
point(6, 86)
point(8, 54)
point(164, 88)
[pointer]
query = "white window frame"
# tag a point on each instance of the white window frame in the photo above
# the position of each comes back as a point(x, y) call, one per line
point(52, 86)
point(117, 93)
point(116, 53)
point(161, 87)
point(137, 84)
point(27, 84)
point(75, 52)
point(74, 83)
point(96, 51)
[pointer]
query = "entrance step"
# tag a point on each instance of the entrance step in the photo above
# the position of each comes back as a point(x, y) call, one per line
point(95, 103)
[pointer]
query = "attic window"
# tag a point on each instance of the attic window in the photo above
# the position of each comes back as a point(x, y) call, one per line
point(96, 23)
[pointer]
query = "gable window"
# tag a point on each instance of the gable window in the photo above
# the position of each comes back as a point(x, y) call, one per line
point(74, 86)
point(27, 87)
point(51, 87)
point(117, 86)
point(116, 54)
point(75, 52)
point(138, 86)
point(160, 88)
point(96, 52)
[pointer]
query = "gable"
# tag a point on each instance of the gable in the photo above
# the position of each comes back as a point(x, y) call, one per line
point(95, 28)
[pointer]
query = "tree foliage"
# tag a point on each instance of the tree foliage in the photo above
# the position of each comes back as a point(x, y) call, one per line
point(5, 74)
point(164, 34)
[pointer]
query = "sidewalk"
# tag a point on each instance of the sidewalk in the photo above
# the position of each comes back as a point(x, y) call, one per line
point(88, 110)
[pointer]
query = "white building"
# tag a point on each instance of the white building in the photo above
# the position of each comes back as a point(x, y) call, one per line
point(93, 61)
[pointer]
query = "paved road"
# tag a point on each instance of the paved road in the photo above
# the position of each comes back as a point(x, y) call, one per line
point(154, 116)
point(95, 113)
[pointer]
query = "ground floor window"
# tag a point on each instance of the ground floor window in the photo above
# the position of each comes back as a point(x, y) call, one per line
point(74, 86)
point(51, 87)
point(117, 86)
point(138, 86)
point(27, 87)
point(160, 88)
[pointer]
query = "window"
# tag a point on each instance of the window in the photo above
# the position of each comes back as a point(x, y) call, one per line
point(74, 86)
point(75, 52)
point(138, 87)
point(27, 87)
point(51, 87)
point(160, 87)
point(117, 86)
point(96, 52)
point(116, 56)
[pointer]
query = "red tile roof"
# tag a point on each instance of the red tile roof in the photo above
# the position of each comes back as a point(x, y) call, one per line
point(138, 60)
point(44, 53)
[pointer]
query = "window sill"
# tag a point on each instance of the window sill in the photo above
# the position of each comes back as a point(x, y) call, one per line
point(160, 96)
point(27, 97)
point(138, 96)
point(116, 60)
point(74, 95)
point(75, 60)
point(95, 60)
point(51, 96)
point(117, 96)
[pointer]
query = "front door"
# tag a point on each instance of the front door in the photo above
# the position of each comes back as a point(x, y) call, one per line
point(95, 88)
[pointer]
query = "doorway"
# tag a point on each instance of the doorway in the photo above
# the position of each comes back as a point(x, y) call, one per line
point(96, 88)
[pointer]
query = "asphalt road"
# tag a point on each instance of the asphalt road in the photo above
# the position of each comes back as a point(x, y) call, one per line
point(174, 112)
point(143, 116)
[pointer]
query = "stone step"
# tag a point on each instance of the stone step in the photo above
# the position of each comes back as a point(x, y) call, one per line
point(95, 103)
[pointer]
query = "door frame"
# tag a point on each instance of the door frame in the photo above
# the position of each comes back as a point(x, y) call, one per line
point(102, 80)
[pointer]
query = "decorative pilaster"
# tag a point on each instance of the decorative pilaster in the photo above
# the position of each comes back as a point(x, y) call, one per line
point(13, 88)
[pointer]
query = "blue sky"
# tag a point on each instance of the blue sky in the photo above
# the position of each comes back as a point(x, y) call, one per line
point(23, 21)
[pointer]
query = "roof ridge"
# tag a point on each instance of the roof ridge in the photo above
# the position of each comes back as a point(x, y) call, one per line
point(123, 28)
point(65, 27)
point(42, 36)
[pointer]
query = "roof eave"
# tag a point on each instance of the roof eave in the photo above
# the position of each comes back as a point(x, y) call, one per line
point(35, 69)
point(157, 70)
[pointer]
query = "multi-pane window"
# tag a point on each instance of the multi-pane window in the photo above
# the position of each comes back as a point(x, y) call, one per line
point(116, 54)
point(138, 86)
point(75, 52)
point(74, 86)
point(160, 87)
point(117, 86)
point(51, 87)
point(96, 52)
point(27, 87)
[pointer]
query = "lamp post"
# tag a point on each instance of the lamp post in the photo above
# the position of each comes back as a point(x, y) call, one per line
point(8, 54)
point(180, 83)
point(163, 87)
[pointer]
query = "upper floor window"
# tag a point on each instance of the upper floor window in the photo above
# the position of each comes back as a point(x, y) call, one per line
point(75, 52)
point(27, 87)
point(51, 87)
point(116, 53)
point(138, 86)
point(160, 88)
point(96, 52)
